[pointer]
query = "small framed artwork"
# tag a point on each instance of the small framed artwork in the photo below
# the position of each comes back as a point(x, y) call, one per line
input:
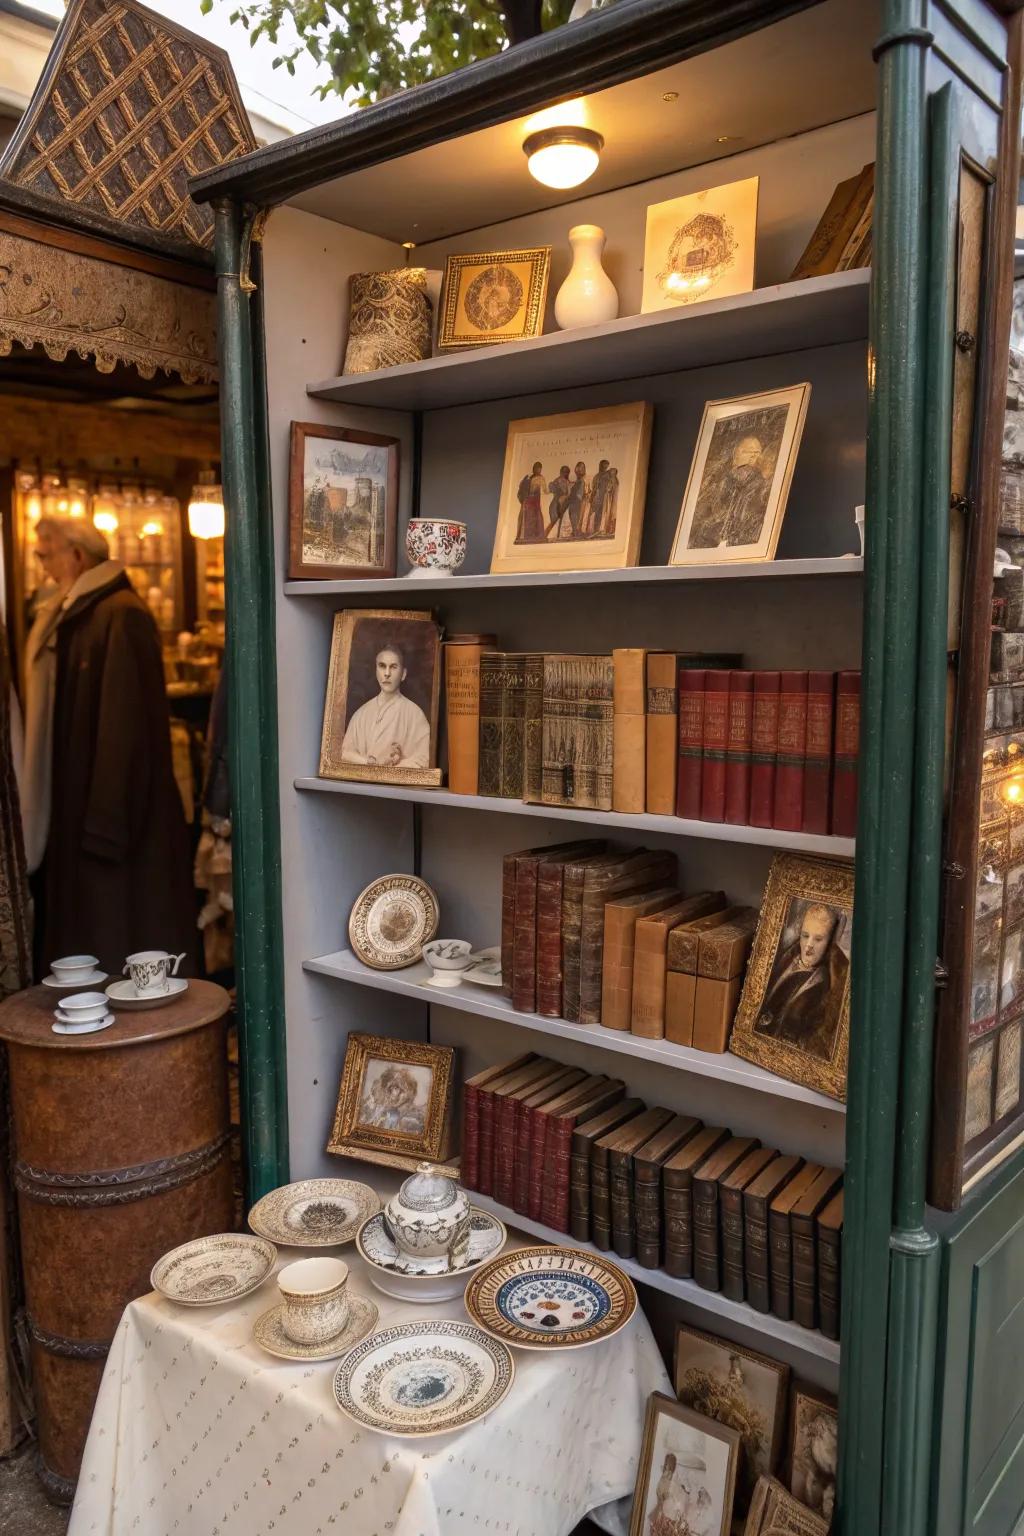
point(740, 1388)
point(687, 1473)
point(395, 1098)
point(794, 1013)
point(380, 713)
point(775, 1512)
point(573, 490)
point(814, 1450)
point(493, 297)
point(700, 246)
point(342, 503)
point(739, 480)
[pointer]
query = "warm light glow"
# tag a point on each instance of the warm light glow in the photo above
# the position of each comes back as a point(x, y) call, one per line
point(105, 521)
point(62, 506)
point(564, 114)
point(1013, 791)
point(677, 282)
point(34, 507)
point(152, 529)
point(77, 507)
point(563, 157)
point(206, 508)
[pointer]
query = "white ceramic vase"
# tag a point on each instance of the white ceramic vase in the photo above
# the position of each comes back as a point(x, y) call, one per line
point(588, 296)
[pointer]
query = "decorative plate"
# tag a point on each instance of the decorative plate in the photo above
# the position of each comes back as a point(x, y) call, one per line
point(484, 967)
point(209, 1270)
point(392, 920)
point(423, 1378)
point(123, 994)
point(550, 1298)
point(413, 1279)
point(268, 1332)
point(314, 1213)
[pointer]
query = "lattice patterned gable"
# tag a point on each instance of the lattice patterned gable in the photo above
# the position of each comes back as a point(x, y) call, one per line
point(128, 108)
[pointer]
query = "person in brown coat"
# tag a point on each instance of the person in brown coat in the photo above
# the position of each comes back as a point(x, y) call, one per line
point(117, 875)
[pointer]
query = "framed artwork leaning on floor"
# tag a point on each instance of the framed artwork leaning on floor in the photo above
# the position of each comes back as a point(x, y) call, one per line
point(687, 1473)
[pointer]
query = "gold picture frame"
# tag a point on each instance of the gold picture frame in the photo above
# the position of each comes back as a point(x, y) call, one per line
point(395, 1098)
point(775, 1512)
point(573, 490)
point(700, 246)
point(738, 485)
point(705, 1451)
point(493, 297)
point(381, 704)
point(794, 1014)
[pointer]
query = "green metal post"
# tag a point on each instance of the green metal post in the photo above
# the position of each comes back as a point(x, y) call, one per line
point(252, 704)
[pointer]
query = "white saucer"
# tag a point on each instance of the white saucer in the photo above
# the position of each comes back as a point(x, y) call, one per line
point(92, 980)
point(64, 1026)
point(123, 994)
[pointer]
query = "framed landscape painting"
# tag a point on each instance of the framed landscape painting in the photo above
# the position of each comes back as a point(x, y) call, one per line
point(342, 504)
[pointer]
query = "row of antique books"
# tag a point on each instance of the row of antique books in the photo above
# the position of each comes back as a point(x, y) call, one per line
point(575, 1152)
point(686, 734)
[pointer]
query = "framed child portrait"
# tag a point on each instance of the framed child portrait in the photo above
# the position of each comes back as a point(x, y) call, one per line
point(342, 503)
point(395, 1098)
point(687, 1473)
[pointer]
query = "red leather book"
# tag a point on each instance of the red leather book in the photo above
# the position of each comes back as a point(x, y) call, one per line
point(539, 1121)
point(550, 1089)
point(505, 1126)
point(818, 760)
point(716, 736)
point(789, 767)
point(508, 920)
point(691, 742)
point(554, 1209)
point(844, 765)
point(738, 748)
point(471, 1092)
point(764, 745)
point(507, 1083)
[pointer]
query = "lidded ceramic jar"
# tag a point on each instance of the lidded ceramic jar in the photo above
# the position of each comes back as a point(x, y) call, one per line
point(429, 1217)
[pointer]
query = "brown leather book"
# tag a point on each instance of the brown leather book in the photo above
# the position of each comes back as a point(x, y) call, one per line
point(707, 1236)
point(662, 732)
point(506, 1126)
point(780, 1245)
point(650, 946)
point(471, 1090)
point(629, 730)
point(462, 706)
point(645, 870)
point(533, 726)
point(757, 1198)
point(567, 1078)
point(677, 1206)
point(620, 919)
point(721, 961)
point(622, 1145)
point(508, 909)
point(577, 741)
point(836, 225)
point(583, 1138)
point(550, 893)
point(573, 875)
point(647, 1165)
point(730, 1211)
point(830, 1246)
point(500, 763)
point(532, 1072)
point(681, 968)
point(524, 943)
point(554, 1210)
point(803, 1223)
point(539, 1120)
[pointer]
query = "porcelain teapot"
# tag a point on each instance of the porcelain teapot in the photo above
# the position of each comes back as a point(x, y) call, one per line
point(429, 1217)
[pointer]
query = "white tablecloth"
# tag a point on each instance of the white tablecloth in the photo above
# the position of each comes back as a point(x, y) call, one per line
point(197, 1431)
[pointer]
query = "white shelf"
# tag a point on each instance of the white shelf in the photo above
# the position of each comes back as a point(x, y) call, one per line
point(808, 1340)
point(490, 1003)
point(637, 575)
point(611, 821)
point(787, 317)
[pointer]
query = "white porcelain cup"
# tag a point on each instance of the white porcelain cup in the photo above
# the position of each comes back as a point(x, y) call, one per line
point(150, 969)
point(72, 969)
point(316, 1304)
point(81, 1007)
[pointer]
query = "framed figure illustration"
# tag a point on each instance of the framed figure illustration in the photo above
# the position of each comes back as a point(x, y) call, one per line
point(342, 503)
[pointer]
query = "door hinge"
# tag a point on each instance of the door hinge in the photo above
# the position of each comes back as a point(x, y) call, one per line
point(965, 341)
point(953, 870)
point(959, 502)
point(941, 975)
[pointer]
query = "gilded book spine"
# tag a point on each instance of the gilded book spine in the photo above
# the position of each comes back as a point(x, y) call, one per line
point(805, 1271)
point(572, 921)
point(647, 1215)
point(755, 1254)
point(462, 692)
point(678, 1213)
point(578, 731)
point(829, 1270)
point(706, 1260)
point(731, 1203)
point(600, 1204)
point(579, 1196)
point(501, 725)
point(781, 1260)
point(533, 718)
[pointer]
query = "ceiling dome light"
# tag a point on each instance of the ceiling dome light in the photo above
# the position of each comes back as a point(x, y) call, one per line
point(563, 157)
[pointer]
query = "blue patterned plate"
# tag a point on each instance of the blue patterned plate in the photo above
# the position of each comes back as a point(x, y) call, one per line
point(423, 1378)
point(550, 1298)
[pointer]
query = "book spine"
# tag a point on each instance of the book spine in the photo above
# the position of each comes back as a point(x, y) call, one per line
point(677, 1208)
point(492, 722)
point(662, 733)
point(691, 742)
point(755, 1254)
point(629, 731)
point(716, 735)
point(617, 967)
point(731, 1204)
point(844, 765)
point(818, 766)
point(572, 921)
point(485, 1155)
point(521, 1158)
point(462, 696)
point(789, 768)
point(707, 1269)
point(508, 920)
point(805, 1271)
point(829, 1294)
point(622, 1208)
point(647, 1013)
point(524, 947)
point(533, 718)
point(739, 746)
point(647, 1214)
point(538, 1151)
point(579, 1196)
point(597, 727)
point(764, 746)
point(512, 729)
point(470, 1151)
point(554, 1211)
point(780, 1250)
point(503, 1176)
point(549, 939)
point(592, 952)
point(600, 1204)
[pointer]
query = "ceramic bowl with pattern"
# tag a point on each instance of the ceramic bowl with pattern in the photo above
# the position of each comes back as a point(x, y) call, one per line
point(435, 546)
point(550, 1298)
point(424, 1378)
point(314, 1213)
point(209, 1270)
point(423, 1280)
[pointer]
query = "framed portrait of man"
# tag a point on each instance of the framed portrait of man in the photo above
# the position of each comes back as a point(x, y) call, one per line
point(394, 1099)
point(794, 1014)
point(380, 714)
point(342, 503)
point(739, 480)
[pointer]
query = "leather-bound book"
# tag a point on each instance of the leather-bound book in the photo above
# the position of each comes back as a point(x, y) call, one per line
point(524, 943)
point(757, 1198)
point(508, 919)
point(533, 725)
point(552, 1088)
point(577, 737)
point(847, 747)
point(472, 1089)
point(818, 757)
point(662, 732)
point(540, 1118)
point(764, 746)
point(500, 764)
point(647, 1166)
point(730, 1212)
point(803, 1224)
point(677, 1197)
point(583, 1137)
point(716, 736)
point(629, 730)
point(462, 706)
point(681, 953)
point(650, 945)
point(722, 954)
point(533, 1072)
point(550, 924)
point(691, 741)
point(830, 1241)
point(738, 748)
point(506, 1128)
point(646, 870)
point(707, 1235)
point(572, 924)
point(780, 1247)
point(620, 921)
point(623, 1144)
point(837, 224)
point(554, 1209)
point(600, 1182)
point(789, 764)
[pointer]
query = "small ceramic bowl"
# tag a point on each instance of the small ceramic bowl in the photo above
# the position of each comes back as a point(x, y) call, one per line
point(447, 958)
point(82, 1006)
point(73, 968)
point(435, 546)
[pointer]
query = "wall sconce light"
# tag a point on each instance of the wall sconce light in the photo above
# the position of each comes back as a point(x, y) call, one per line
point(206, 508)
point(563, 157)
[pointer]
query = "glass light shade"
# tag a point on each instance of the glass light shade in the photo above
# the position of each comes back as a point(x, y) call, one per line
point(206, 512)
point(563, 157)
point(152, 529)
point(105, 520)
point(34, 507)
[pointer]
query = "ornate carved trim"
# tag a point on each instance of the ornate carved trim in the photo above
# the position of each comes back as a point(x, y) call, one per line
point(71, 1349)
point(118, 1186)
